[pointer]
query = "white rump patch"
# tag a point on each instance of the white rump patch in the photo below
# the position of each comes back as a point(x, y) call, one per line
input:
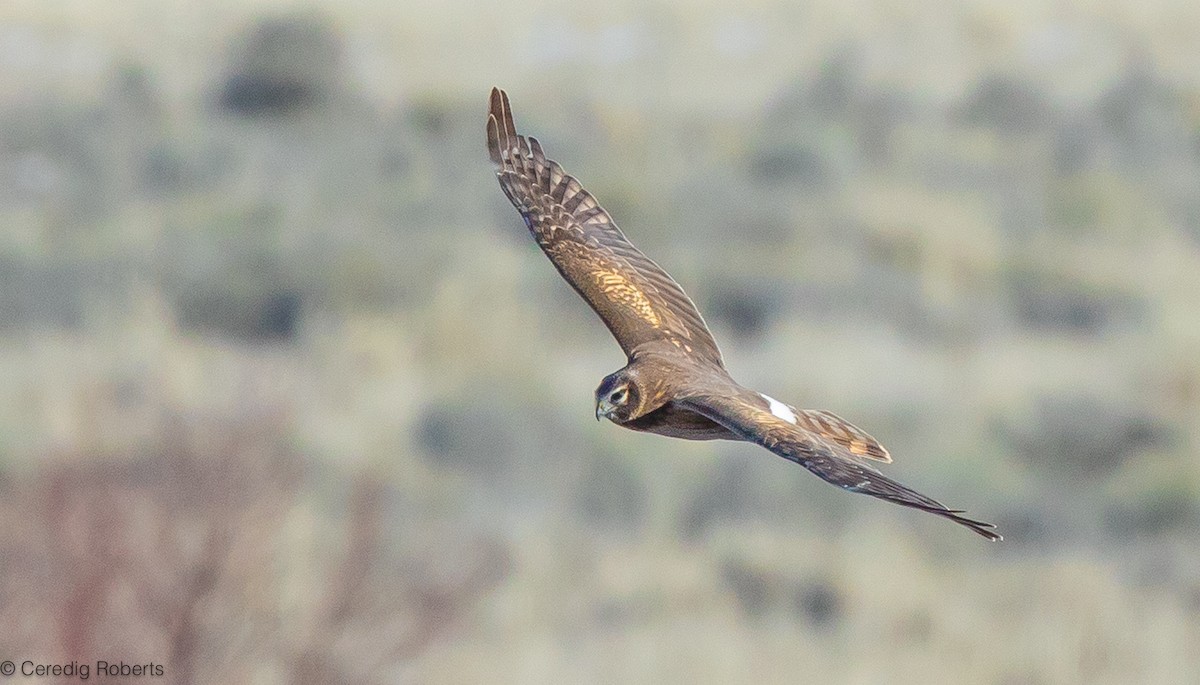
point(780, 409)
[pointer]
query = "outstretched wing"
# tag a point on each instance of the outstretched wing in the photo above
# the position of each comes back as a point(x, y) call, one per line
point(843, 437)
point(842, 434)
point(832, 462)
point(638, 301)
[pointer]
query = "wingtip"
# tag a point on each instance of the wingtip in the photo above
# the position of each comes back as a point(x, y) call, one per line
point(987, 530)
point(506, 117)
point(501, 131)
point(493, 140)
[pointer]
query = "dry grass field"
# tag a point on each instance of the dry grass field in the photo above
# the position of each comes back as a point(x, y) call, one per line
point(289, 395)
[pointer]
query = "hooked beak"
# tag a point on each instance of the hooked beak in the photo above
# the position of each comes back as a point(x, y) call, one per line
point(602, 409)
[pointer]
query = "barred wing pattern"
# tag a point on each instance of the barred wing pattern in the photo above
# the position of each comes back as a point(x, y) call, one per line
point(638, 301)
point(817, 454)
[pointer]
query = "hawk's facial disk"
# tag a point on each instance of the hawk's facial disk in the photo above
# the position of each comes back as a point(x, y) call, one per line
point(615, 400)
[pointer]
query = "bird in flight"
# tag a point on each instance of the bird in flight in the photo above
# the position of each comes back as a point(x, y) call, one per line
point(675, 383)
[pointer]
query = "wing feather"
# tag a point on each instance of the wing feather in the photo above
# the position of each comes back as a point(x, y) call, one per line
point(822, 456)
point(637, 300)
point(843, 434)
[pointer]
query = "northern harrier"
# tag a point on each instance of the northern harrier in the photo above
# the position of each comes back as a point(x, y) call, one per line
point(675, 383)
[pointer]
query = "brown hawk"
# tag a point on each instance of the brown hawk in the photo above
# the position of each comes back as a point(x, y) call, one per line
point(675, 383)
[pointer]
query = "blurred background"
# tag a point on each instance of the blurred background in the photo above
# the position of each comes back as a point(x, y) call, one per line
point(290, 396)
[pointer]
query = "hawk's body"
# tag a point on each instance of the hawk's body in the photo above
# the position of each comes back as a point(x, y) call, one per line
point(675, 383)
point(677, 421)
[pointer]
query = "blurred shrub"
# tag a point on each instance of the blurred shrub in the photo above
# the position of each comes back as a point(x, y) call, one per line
point(477, 438)
point(46, 295)
point(269, 316)
point(745, 308)
point(798, 166)
point(194, 555)
point(505, 441)
point(1027, 522)
point(1158, 496)
point(750, 585)
point(610, 494)
point(133, 94)
point(1056, 303)
point(839, 102)
point(1158, 509)
point(731, 492)
point(818, 603)
point(1077, 144)
point(430, 116)
point(1008, 105)
point(1145, 116)
point(1083, 436)
point(283, 64)
point(65, 156)
point(761, 591)
point(226, 280)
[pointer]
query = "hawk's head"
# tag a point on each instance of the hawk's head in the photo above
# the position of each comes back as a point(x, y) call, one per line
point(618, 398)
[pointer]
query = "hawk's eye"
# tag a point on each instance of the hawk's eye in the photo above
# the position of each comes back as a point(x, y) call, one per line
point(619, 395)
